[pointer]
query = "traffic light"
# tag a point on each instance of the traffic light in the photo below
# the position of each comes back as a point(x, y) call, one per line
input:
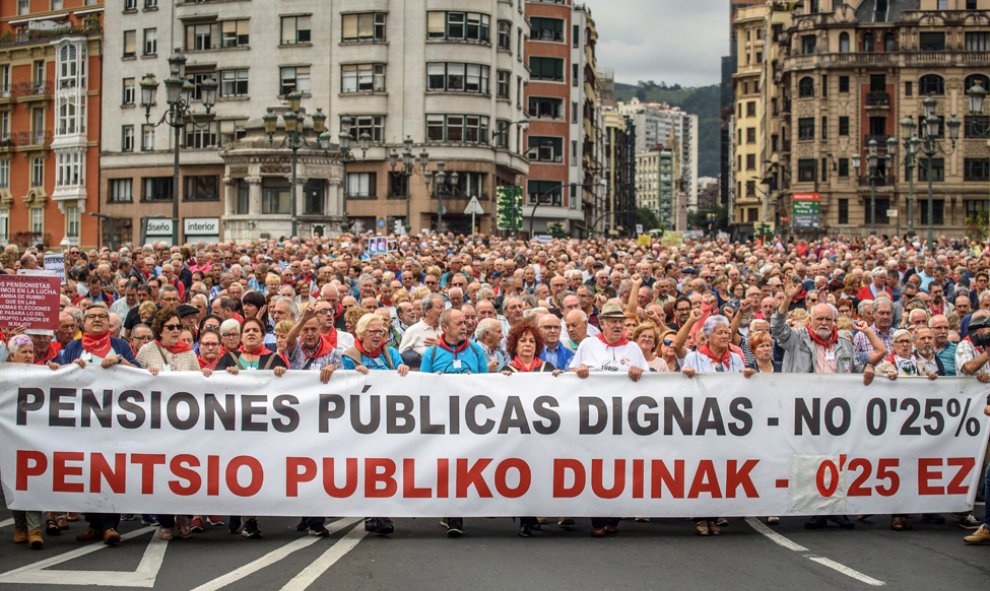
point(399, 230)
point(509, 215)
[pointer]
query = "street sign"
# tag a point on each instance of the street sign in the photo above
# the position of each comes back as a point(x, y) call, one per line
point(474, 207)
point(892, 213)
point(806, 209)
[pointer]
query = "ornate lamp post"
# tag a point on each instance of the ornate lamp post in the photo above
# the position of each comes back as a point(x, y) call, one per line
point(874, 172)
point(408, 160)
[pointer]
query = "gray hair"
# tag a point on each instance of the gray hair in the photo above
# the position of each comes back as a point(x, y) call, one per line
point(862, 306)
point(485, 326)
point(293, 308)
point(712, 323)
point(426, 304)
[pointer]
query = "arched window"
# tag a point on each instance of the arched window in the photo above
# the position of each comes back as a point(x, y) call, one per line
point(931, 84)
point(867, 41)
point(888, 42)
point(843, 42)
point(806, 87)
point(974, 78)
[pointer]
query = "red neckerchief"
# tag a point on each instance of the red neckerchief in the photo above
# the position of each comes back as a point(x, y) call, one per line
point(203, 364)
point(51, 353)
point(178, 347)
point(442, 343)
point(285, 358)
point(827, 344)
point(323, 350)
point(373, 354)
point(939, 310)
point(259, 350)
point(533, 366)
point(622, 341)
point(980, 349)
point(98, 345)
point(331, 336)
point(725, 359)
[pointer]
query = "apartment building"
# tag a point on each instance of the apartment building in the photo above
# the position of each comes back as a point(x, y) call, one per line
point(445, 83)
point(50, 90)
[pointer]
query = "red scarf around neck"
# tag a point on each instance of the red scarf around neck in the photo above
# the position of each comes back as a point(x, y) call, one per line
point(828, 344)
point(533, 365)
point(373, 354)
point(178, 347)
point(203, 363)
point(724, 359)
point(51, 353)
point(330, 337)
point(324, 348)
point(622, 341)
point(260, 350)
point(98, 345)
point(453, 349)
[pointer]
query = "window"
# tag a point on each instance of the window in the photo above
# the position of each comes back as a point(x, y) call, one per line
point(576, 36)
point(130, 5)
point(372, 125)
point(150, 42)
point(5, 80)
point(938, 212)
point(806, 87)
point(546, 68)
point(457, 77)
point(361, 185)
point(201, 37)
point(296, 30)
point(751, 108)
point(808, 44)
point(57, 4)
point(234, 83)
point(937, 168)
point(398, 185)
point(824, 86)
point(931, 84)
point(868, 42)
point(457, 128)
point(843, 168)
point(202, 188)
point(4, 226)
point(121, 191)
point(806, 128)
point(908, 88)
point(157, 188)
point(882, 204)
point(546, 29)
point(931, 41)
point(807, 170)
point(843, 125)
point(505, 35)
point(147, 138)
point(751, 188)
point(198, 137)
point(293, 79)
point(546, 149)
point(37, 126)
point(234, 33)
point(23, 7)
point(750, 161)
point(546, 192)
point(150, 4)
point(36, 222)
point(362, 78)
point(4, 174)
point(824, 128)
point(976, 127)
point(243, 205)
point(126, 138)
point(843, 211)
point(72, 222)
point(545, 107)
point(878, 83)
point(503, 82)
point(976, 169)
point(843, 84)
point(275, 197)
point(364, 26)
point(458, 26)
point(978, 41)
point(843, 42)
point(128, 95)
point(130, 44)
point(975, 207)
point(750, 135)
point(501, 134)
point(5, 126)
point(574, 75)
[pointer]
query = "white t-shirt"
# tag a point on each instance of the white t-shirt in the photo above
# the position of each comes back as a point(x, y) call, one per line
point(702, 363)
point(600, 357)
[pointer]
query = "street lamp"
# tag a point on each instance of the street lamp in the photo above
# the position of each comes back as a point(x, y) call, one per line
point(873, 172)
point(408, 168)
point(911, 146)
point(179, 96)
point(294, 125)
point(435, 182)
point(977, 96)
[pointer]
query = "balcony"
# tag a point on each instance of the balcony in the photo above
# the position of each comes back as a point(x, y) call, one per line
point(892, 59)
point(880, 180)
point(40, 90)
point(878, 100)
point(31, 138)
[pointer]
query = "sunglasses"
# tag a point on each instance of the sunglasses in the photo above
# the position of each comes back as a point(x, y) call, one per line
point(172, 326)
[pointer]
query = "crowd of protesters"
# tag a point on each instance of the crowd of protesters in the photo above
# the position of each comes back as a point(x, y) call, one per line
point(883, 308)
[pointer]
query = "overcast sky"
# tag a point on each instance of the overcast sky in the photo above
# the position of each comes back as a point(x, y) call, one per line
point(677, 41)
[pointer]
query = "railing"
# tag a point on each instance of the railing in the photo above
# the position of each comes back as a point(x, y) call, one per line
point(896, 58)
point(43, 88)
point(879, 180)
point(877, 99)
point(32, 138)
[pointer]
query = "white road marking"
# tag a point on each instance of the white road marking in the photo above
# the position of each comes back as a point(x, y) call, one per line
point(785, 542)
point(308, 575)
point(272, 557)
point(144, 576)
point(6, 523)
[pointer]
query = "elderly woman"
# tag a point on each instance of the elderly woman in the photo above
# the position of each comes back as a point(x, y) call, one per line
point(902, 361)
point(647, 336)
point(230, 335)
point(282, 330)
point(147, 311)
point(27, 524)
point(252, 354)
point(761, 343)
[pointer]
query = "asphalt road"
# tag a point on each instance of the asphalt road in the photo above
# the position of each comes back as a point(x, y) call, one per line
point(662, 554)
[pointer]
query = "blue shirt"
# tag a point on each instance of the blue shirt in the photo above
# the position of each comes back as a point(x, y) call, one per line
point(74, 349)
point(560, 358)
point(437, 359)
point(948, 357)
point(377, 363)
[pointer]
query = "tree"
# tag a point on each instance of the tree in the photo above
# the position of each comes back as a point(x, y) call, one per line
point(647, 218)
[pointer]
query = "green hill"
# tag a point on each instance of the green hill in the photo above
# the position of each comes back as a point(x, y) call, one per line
point(702, 101)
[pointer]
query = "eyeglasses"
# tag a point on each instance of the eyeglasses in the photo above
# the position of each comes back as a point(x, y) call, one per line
point(376, 331)
point(554, 327)
point(171, 326)
point(902, 342)
point(96, 316)
point(230, 335)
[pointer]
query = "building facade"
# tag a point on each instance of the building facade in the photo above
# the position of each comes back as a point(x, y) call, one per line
point(50, 89)
point(618, 217)
point(451, 79)
point(848, 74)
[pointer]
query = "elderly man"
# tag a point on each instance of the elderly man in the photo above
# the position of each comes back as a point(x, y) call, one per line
point(878, 286)
point(418, 337)
point(883, 318)
point(489, 335)
point(341, 340)
point(554, 351)
point(454, 353)
point(818, 348)
point(577, 327)
point(944, 348)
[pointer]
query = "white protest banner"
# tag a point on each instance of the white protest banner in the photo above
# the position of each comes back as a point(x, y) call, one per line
point(55, 262)
point(120, 440)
